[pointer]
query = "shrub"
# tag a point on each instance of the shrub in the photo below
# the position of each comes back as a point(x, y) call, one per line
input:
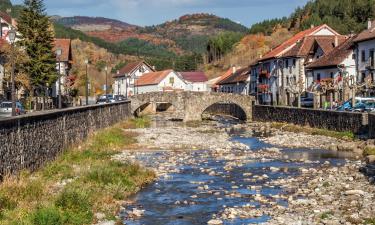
point(47, 216)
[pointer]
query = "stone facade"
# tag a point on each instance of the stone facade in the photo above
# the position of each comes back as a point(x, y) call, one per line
point(189, 106)
point(30, 141)
point(331, 120)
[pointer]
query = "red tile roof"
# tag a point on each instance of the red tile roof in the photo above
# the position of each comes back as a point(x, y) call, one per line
point(65, 46)
point(152, 78)
point(130, 67)
point(6, 17)
point(335, 57)
point(303, 47)
point(241, 75)
point(194, 77)
point(276, 52)
point(225, 76)
point(367, 34)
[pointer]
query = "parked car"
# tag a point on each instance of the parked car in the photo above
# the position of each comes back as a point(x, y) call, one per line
point(307, 102)
point(105, 99)
point(119, 98)
point(6, 109)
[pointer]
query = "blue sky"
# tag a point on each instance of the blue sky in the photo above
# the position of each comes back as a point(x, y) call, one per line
point(149, 12)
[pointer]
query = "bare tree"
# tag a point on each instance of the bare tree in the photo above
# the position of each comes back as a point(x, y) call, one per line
point(296, 87)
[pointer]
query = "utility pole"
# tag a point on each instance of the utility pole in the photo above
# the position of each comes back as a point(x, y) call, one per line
point(12, 38)
point(106, 83)
point(58, 54)
point(87, 82)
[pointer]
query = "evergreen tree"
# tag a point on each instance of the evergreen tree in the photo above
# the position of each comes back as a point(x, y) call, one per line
point(37, 40)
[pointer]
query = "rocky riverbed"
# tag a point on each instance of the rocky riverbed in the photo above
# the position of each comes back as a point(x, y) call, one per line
point(241, 174)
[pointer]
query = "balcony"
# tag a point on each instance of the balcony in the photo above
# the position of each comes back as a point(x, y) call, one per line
point(264, 74)
point(263, 88)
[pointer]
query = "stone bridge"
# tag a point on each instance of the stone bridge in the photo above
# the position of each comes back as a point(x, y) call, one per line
point(189, 106)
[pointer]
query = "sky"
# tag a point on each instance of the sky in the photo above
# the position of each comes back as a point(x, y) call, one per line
point(152, 12)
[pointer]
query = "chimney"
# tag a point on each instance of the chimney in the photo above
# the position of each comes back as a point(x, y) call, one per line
point(312, 26)
point(336, 41)
point(234, 69)
point(369, 24)
point(154, 68)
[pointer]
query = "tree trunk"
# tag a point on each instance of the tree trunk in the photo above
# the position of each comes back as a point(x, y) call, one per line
point(299, 100)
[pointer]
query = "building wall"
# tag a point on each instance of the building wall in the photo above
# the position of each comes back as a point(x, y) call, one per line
point(240, 88)
point(197, 86)
point(171, 81)
point(324, 31)
point(361, 66)
point(64, 71)
point(31, 141)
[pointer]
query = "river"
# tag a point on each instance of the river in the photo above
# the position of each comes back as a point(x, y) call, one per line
point(197, 186)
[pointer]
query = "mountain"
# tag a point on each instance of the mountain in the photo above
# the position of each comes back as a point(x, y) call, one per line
point(189, 33)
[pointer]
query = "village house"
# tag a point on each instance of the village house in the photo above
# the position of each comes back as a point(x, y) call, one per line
point(6, 24)
point(196, 81)
point(280, 71)
point(365, 57)
point(162, 81)
point(331, 70)
point(63, 65)
point(126, 78)
point(4, 85)
point(213, 83)
point(237, 83)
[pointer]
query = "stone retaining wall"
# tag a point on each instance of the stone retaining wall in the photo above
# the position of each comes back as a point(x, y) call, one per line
point(30, 141)
point(331, 120)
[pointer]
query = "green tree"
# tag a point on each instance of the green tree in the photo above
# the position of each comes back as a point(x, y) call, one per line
point(37, 40)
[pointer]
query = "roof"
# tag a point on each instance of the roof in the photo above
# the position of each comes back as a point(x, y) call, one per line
point(240, 75)
point(65, 46)
point(292, 41)
point(130, 67)
point(303, 47)
point(152, 78)
point(335, 57)
point(367, 34)
point(6, 17)
point(224, 76)
point(194, 77)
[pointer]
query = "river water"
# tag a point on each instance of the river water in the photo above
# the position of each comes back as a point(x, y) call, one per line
point(201, 184)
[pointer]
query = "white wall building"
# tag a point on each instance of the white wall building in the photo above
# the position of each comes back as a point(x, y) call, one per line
point(166, 81)
point(196, 81)
point(237, 83)
point(126, 78)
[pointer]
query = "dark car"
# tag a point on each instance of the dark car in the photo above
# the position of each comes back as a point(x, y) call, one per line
point(307, 102)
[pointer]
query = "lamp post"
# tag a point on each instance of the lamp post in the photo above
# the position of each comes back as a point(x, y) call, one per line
point(12, 38)
point(58, 55)
point(106, 83)
point(87, 82)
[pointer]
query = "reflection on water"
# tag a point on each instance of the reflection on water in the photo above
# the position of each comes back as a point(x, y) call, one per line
point(179, 198)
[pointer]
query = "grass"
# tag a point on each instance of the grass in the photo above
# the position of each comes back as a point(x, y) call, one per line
point(326, 215)
point(79, 183)
point(313, 131)
point(369, 151)
point(136, 123)
point(370, 221)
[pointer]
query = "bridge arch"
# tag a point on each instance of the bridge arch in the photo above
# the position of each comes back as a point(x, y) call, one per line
point(226, 108)
point(189, 106)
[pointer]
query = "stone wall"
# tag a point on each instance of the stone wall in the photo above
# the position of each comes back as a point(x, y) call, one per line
point(30, 141)
point(371, 125)
point(331, 120)
point(226, 109)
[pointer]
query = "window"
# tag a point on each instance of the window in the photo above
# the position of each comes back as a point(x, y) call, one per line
point(294, 62)
point(354, 56)
point(287, 63)
point(371, 55)
point(331, 75)
point(363, 77)
point(171, 80)
point(318, 77)
point(363, 56)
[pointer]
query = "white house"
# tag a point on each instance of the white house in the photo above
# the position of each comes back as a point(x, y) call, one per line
point(166, 80)
point(196, 81)
point(63, 65)
point(237, 83)
point(332, 69)
point(6, 24)
point(127, 76)
point(365, 57)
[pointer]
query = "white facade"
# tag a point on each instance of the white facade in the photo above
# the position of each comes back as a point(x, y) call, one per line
point(239, 88)
point(170, 82)
point(64, 72)
point(196, 86)
point(365, 59)
point(125, 84)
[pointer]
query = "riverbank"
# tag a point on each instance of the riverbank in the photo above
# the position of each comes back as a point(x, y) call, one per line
point(82, 186)
point(252, 179)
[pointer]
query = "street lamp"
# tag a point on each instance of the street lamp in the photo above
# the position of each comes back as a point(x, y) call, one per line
point(106, 83)
point(58, 55)
point(87, 82)
point(12, 38)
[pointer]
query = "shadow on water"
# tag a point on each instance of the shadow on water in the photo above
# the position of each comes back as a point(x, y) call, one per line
point(169, 200)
